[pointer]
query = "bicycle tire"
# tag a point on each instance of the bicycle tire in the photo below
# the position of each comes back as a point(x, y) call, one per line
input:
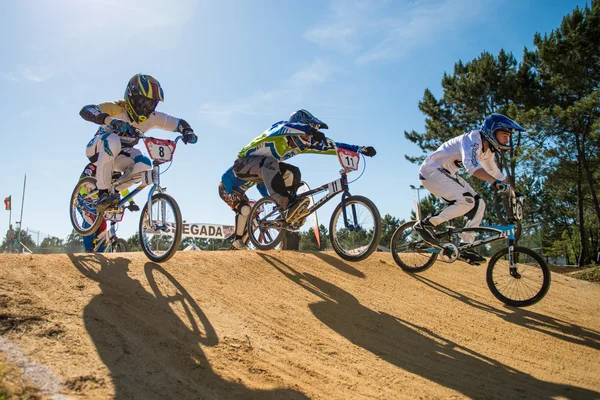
point(502, 288)
point(167, 243)
point(119, 245)
point(75, 208)
point(406, 241)
point(267, 223)
point(341, 238)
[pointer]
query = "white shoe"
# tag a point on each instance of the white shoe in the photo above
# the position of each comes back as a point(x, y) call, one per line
point(238, 244)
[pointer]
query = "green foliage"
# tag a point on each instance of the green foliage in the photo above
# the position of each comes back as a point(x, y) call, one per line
point(134, 242)
point(308, 240)
point(555, 93)
point(389, 225)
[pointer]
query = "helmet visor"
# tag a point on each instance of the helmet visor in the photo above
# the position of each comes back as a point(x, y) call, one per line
point(143, 105)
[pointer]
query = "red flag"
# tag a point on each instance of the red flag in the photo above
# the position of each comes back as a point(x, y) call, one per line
point(7, 203)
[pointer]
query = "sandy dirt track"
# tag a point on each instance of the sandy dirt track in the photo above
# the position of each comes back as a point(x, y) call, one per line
point(293, 325)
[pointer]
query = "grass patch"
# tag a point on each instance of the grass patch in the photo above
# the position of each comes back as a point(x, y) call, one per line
point(591, 275)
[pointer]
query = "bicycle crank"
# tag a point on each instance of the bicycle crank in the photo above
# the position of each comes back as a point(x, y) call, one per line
point(449, 253)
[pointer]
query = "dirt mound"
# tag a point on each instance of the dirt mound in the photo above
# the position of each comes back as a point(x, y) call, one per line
point(290, 325)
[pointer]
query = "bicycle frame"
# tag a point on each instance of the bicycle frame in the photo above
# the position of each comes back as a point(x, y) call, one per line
point(502, 232)
point(158, 158)
point(349, 161)
point(106, 237)
point(334, 187)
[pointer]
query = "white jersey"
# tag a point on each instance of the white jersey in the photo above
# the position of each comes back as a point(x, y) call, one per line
point(463, 151)
point(156, 120)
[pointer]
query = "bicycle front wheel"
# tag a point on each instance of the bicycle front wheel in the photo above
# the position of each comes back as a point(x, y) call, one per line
point(119, 246)
point(357, 236)
point(266, 225)
point(82, 207)
point(523, 286)
point(409, 251)
point(160, 238)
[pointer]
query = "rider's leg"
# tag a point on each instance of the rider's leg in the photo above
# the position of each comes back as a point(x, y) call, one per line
point(238, 202)
point(131, 161)
point(291, 175)
point(263, 169)
point(474, 217)
point(102, 150)
point(454, 191)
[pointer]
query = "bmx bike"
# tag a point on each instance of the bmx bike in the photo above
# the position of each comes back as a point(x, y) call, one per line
point(516, 275)
point(355, 225)
point(161, 224)
point(108, 239)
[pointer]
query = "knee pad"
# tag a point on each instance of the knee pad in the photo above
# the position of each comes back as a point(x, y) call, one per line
point(240, 223)
point(278, 185)
point(478, 206)
point(291, 174)
point(244, 210)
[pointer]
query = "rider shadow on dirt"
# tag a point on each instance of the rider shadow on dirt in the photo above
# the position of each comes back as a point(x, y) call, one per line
point(339, 264)
point(419, 350)
point(150, 351)
point(562, 330)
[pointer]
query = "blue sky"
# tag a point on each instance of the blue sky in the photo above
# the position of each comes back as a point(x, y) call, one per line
point(231, 68)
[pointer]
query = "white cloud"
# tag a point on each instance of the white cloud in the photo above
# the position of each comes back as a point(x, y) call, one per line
point(35, 74)
point(379, 30)
point(263, 102)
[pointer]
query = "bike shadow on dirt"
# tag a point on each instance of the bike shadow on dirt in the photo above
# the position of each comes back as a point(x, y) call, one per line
point(152, 340)
point(420, 351)
point(526, 318)
point(337, 263)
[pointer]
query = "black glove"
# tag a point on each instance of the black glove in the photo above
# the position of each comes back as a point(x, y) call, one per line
point(503, 187)
point(189, 137)
point(317, 136)
point(122, 128)
point(368, 151)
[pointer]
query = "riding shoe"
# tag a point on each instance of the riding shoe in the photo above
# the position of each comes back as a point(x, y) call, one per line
point(471, 257)
point(133, 207)
point(293, 208)
point(426, 230)
point(105, 200)
point(238, 244)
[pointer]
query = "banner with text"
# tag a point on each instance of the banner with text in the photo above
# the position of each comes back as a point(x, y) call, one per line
point(207, 231)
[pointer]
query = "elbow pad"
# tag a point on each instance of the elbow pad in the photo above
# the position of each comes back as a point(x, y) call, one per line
point(93, 114)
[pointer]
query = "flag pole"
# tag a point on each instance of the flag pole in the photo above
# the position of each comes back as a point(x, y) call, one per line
point(22, 202)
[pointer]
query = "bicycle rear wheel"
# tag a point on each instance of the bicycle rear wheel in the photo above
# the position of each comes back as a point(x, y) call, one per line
point(409, 251)
point(119, 246)
point(266, 226)
point(161, 237)
point(357, 237)
point(524, 286)
point(82, 207)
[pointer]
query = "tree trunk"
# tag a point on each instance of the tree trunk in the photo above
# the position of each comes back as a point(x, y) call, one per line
point(583, 245)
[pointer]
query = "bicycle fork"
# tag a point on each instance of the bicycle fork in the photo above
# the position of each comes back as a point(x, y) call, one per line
point(512, 263)
point(161, 210)
point(354, 225)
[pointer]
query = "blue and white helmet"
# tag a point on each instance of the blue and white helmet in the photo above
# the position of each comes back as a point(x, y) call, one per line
point(304, 117)
point(498, 122)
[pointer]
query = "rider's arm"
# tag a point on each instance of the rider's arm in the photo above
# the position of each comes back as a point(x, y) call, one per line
point(484, 175)
point(101, 114)
point(169, 123)
point(491, 168)
point(474, 160)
